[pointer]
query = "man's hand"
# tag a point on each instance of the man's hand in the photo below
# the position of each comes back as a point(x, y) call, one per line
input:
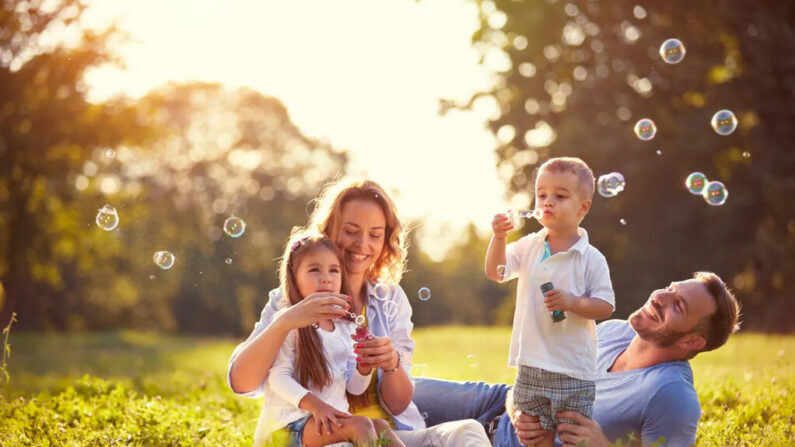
point(528, 428)
point(557, 299)
point(587, 430)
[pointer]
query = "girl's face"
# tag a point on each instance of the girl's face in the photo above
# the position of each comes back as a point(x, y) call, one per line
point(361, 234)
point(318, 271)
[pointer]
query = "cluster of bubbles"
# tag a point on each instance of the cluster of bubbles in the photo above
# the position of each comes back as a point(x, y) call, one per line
point(164, 259)
point(723, 122)
point(672, 51)
point(609, 185)
point(382, 293)
point(234, 226)
point(714, 193)
point(107, 218)
point(515, 216)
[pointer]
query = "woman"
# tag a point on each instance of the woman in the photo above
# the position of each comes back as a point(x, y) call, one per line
point(362, 220)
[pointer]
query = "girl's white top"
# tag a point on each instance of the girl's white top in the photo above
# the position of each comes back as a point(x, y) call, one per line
point(384, 319)
point(284, 393)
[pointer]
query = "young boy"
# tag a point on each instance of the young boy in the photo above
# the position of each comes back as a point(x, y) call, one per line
point(555, 352)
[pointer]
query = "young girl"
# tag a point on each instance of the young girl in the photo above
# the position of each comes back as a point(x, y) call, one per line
point(316, 364)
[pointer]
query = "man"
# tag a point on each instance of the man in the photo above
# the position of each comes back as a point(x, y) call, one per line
point(644, 384)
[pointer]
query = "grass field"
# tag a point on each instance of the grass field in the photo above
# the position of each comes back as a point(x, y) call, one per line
point(139, 389)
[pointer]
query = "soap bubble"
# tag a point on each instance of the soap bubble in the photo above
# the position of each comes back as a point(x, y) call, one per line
point(107, 218)
point(715, 193)
point(424, 294)
point(501, 270)
point(390, 309)
point(645, 129)
point(164, 259)
point(228, 261)
point(695, 182)
point(746, 154)
point(672, 51)
point(472, 361)
point(724, 122)
point(234, 226)
point(623, 221)
point(151, 277)
point(609, 185)
point(110, 153)
point(381, 291)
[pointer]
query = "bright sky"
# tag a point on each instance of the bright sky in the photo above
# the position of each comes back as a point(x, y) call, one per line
point(365, 76)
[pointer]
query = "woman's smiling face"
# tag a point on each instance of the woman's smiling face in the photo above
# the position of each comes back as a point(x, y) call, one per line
point(361, 235)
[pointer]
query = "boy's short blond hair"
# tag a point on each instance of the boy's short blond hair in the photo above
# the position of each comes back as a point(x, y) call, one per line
point(577, 167)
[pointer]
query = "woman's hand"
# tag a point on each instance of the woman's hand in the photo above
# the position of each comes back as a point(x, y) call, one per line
point(376, 352)
point(585, 430)
point(315, 307)
point(528, 428)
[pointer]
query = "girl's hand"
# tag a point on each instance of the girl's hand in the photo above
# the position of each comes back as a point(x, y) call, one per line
point(324, 414)
point(375, 352)
point(557, 299)
point(501, 225)
point(315, 307)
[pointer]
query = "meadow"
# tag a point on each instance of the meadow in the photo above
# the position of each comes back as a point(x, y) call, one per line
point(143, 389)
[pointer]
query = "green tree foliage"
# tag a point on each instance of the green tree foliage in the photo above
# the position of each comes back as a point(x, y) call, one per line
point(47, 130)
point(589, 70)
point(460, 291)
point(175, 164)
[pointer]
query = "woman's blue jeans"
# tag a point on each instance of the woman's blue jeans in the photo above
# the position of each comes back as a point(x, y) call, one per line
point(446, 400)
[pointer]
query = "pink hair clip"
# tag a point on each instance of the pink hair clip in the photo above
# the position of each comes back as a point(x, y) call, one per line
point(298, 243)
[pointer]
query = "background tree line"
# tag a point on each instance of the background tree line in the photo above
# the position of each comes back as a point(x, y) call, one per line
point(180, 160)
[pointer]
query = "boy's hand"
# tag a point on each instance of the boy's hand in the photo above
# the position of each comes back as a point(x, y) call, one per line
point(501, 225)
point(557, 299)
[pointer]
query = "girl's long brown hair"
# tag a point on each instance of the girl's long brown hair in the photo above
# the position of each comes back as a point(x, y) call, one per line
point(311, 366)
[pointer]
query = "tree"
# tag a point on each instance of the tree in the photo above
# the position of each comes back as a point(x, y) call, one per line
point(47, 130)
point(573, 78)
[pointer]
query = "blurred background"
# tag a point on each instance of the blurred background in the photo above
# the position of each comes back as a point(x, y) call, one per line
point(181, 114)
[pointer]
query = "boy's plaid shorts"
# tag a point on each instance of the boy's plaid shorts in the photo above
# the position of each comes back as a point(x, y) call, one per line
point(542, 393)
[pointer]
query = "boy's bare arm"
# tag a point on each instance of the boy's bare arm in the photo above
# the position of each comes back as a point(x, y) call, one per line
point(586, 307)
point(495, 254)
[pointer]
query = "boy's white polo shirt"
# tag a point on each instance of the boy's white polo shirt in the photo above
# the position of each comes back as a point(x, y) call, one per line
point(567, 347)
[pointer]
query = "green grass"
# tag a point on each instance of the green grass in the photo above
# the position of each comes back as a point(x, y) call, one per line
point(141, 389)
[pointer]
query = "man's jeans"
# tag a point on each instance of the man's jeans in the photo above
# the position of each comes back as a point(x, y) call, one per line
point(445, 400)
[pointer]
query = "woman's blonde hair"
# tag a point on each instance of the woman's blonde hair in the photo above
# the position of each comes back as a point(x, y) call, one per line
point(325, 218)
point(311, 366)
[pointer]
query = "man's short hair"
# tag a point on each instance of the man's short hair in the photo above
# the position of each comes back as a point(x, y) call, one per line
point(577, 167)
point(716, 327)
